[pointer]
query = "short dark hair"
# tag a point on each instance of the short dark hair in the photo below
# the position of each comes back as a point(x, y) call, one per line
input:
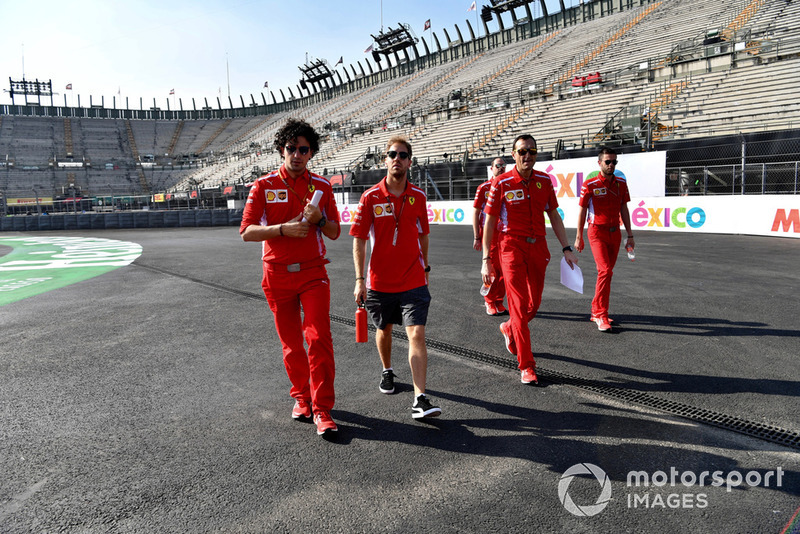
point(293, 129)
point(399, 140)
point(606, 150)
point(523, 137)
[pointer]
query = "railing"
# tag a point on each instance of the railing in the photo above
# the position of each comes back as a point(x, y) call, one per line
point(750, 179)
point(733, 179)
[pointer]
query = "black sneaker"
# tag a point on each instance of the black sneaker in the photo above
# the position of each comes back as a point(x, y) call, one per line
point(422, 407)
point(387, 382)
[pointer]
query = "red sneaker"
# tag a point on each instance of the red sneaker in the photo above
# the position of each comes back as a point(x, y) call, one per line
point(506, 331)
point(325, 424)
point(301, 410)
point(501, 310)
point(529, 376)
point(490, 309)
point(602, 324)
point(593, 318)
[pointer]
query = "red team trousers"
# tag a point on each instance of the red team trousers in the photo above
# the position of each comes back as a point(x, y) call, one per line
point(605, 249)
point(524, 266)
point(287, 293)
point(497, 291)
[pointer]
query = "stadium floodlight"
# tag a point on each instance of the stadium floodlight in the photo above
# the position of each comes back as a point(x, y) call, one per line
point(27, 88)
point(391, 41)
point(315, 71)
point(498, 6)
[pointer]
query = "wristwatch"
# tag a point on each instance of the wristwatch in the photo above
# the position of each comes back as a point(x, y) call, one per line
point(322, 222)
point(428, 269)
point(566, 249)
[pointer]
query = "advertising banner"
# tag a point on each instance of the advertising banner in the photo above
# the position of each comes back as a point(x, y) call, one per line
point(644, 173)
point(768, 215)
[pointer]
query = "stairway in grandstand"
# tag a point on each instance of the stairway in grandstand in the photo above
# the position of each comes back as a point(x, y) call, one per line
point(176, 134)
point(139, 171)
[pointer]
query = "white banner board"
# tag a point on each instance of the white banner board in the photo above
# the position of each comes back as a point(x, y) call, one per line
point(768, 215)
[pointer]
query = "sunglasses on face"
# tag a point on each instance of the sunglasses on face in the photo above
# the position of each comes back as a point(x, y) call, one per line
point(525, 151)
point(500, 166)
point(610, 162)
point(302, 149)
point(393, 154)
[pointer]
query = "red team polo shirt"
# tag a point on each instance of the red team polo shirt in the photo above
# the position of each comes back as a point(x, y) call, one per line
point(603, 199)
point(519, 209)
point(481, 197)
point(398, 267)
point(276, 198)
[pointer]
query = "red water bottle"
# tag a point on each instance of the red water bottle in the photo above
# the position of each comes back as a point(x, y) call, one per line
point(361, 324)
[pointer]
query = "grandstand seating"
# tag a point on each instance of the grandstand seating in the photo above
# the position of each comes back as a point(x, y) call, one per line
point(474, 105)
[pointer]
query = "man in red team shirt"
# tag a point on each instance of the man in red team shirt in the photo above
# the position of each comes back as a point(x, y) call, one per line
point(497, 291)
point(393, 216)
point(517, 202)
point(278, 213)
point(604, 198)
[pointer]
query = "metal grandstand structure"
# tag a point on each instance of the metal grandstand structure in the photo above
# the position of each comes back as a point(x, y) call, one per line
point(639, 74)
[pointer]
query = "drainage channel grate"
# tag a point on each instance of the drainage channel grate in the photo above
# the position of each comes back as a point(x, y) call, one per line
point(726, 422)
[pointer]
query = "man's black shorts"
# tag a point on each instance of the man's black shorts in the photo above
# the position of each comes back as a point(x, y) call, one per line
point(408, 308)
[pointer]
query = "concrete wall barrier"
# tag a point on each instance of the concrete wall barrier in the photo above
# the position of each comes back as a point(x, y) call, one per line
point(171, 219)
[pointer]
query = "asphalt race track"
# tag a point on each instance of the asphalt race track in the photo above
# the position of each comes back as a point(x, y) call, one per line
point(153, 398)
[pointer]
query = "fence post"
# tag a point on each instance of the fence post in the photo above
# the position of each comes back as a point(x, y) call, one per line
point(744, 161)
point(450, 180)
point(763, 178)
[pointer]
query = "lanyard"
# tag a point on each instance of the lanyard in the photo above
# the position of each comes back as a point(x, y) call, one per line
point(301, 199)
point(396, 216)
point(527, 184)
point(616, 182)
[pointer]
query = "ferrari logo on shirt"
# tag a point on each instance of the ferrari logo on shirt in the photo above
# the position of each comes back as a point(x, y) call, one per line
point(311, 188)
point(538, 185)
point(600, 191)
point(275, 196)
point(382, 210)
point(411, 200)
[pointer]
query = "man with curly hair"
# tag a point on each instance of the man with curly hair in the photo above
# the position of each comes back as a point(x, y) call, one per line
point(279, 213)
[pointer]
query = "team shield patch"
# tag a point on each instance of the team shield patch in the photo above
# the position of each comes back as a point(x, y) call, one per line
point(382, 210)
point(276, 195)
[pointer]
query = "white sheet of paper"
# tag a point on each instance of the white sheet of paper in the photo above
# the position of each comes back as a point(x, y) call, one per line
point(314, 200)
point(572, 278)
